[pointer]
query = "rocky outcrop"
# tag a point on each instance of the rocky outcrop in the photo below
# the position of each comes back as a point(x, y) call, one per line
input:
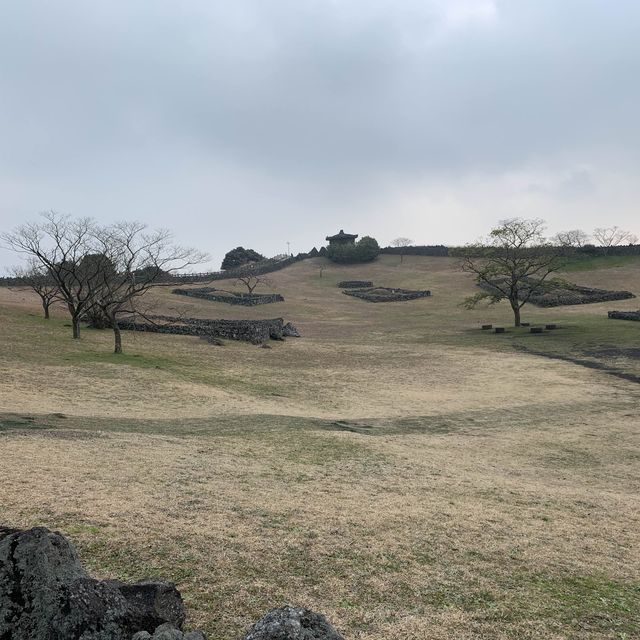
point(292, 623)
point(45, 594)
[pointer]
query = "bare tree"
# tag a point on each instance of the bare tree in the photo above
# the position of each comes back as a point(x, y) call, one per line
point(141, 260)
point(608, 237)
point(401, 243)
point(35, 278)
point(572, 238)
point(61, 245)
point(100, 268)
point(513, 264)
point(252, 280)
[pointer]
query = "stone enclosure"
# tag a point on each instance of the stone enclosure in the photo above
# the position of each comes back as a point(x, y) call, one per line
point(386, 294)
point(575, 294)
point(625, 315)
point(254, 331)
point(566, 293)
point(355, 284)
point(230, 297)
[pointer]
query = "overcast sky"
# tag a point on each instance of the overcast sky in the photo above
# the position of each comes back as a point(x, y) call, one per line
point(258, 122)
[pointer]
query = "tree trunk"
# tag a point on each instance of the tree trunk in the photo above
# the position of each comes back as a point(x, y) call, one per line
point(516, 313)
point(45, 306)
point(117, 334)
point(76, 327)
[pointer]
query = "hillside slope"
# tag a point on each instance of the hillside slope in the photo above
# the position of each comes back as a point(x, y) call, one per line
point(396, 468)
point(355, 359)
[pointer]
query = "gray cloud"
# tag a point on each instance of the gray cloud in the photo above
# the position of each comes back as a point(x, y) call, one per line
point(259, 122)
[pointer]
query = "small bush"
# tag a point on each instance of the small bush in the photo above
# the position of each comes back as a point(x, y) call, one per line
point(240, 256)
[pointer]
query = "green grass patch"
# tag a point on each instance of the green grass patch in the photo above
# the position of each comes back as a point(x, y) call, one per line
point(586, 603)
point(256, 425)
point(143, 361)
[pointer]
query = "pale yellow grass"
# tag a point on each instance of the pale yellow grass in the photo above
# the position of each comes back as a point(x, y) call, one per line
point(366, 383)
point(355, 359)
point(371, 530)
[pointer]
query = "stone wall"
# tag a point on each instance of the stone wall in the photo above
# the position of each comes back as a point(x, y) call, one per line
point(624, 315)
point(254, 331)
point(230, 297)
point(578, 295)
point(419, 250)
point(564, 294)
point(386, 294)
point(355, 284)
point(258, 269)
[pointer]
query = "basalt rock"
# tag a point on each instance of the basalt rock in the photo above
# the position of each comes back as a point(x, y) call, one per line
point(45, 594)
point(168, 632)
point(290, 331)
point(292, 623)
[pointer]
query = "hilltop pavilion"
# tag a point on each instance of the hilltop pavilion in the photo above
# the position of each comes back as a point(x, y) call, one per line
point(342, 238)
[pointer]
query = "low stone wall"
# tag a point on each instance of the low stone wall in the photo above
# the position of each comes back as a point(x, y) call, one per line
point(230, 297)
point(417, 250)
point(355, 284)
point(625, 315)
point(258, 269)
point(567, 294)
point(254, 331)
point(578, 295)
point(386, 294)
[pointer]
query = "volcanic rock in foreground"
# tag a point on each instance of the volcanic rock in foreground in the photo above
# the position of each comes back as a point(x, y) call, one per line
point(292, 623)
point(45, 594)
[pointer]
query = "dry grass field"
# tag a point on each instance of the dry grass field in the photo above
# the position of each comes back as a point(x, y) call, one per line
point(396, 468)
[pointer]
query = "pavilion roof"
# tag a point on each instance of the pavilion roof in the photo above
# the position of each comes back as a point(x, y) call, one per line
point(342, 236)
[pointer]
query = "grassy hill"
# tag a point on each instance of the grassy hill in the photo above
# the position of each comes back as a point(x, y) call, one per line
point(396, 467)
